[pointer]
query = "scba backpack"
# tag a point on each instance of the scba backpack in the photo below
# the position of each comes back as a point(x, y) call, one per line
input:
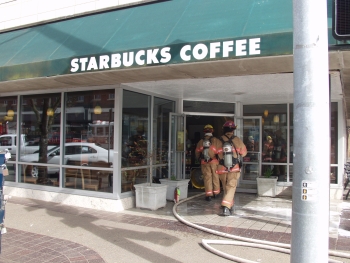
point(205, 154)
point(229, 160)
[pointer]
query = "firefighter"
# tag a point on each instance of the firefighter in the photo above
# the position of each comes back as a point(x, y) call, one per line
point(268, 149)
point(206, 152)
point(229, 165)
point(137, 147)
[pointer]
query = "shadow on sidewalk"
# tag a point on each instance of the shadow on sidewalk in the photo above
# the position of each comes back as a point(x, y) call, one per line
point(119, 236)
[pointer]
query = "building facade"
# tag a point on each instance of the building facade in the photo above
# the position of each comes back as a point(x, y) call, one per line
point(96, 100)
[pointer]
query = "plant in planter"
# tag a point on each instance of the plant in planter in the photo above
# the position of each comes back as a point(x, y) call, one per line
point(267, 183)
point(268, 172)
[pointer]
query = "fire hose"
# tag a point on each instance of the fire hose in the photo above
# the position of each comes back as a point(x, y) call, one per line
point(242, 241)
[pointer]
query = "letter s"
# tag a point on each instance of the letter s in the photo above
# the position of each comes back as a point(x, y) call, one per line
point(74, 65)
point(166, 56)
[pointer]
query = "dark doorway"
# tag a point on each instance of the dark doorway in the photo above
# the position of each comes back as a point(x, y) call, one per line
point(194, 130)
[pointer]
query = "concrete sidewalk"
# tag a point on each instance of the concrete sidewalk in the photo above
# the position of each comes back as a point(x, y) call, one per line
point(49, 232)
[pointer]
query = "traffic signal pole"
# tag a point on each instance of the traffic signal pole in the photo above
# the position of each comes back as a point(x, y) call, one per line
point(311, 160)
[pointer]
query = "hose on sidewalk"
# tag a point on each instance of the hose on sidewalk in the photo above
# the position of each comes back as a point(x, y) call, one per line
point(241, 241)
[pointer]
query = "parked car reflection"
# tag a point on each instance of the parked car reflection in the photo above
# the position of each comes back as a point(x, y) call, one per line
point(88, 154)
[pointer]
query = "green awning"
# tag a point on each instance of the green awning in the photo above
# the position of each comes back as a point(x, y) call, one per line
point(47, 50)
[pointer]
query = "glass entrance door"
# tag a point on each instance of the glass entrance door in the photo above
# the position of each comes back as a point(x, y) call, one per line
point(177, 149)
point(252, 138)
point(185, 131)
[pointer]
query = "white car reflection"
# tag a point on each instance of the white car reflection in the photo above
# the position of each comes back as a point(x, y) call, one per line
point(79, 153)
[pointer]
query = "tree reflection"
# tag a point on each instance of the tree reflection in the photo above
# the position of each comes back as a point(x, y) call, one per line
point(44, 119)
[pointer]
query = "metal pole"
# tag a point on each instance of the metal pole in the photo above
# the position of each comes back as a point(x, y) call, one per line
point(311, 169)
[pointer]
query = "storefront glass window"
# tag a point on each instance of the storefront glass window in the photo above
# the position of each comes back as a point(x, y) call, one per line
point(334, 144)
point(8, 130)
point(41, 115)
point(135, 137)
point(334, 133)
point(333, 178)
point(89, 139)
point(291, 132)
point(251, 138)
point(334, 140)
point(274, 136)
point(161, 110)
point(290, 179)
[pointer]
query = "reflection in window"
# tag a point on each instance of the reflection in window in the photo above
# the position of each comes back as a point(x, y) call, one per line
point(333, 175)
point(274, 125)
point(6, 140)
point(334, 133)
point(11, 177)
point(251, 138)
point(111, 96)
point(89, 139)
point(8, 129)
point(291, 132)
point(87, 179)
point(275, 131)
point(135, 129)
point(89, 121)
point(97, 96)
point(40, 121)
point(274, 135)
point(135, 133)
point(161, 110)
point(33, 174)
point(334, 140)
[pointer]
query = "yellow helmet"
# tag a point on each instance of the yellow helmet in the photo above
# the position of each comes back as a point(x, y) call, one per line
point(208, 128)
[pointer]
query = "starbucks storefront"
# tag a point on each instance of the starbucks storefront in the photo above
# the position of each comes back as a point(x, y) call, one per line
point(87, 112)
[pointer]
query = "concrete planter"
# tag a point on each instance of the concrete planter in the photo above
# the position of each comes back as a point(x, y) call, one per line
point(172, 184)
point(267, 186)
point(150, 196)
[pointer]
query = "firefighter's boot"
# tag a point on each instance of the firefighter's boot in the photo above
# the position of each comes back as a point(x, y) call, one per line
point(226, 211)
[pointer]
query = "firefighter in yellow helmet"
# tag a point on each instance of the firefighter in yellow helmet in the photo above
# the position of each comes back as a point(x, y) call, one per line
point(231, 149)
point(206, 152)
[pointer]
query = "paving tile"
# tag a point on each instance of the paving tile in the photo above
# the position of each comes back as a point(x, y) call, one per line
point(248, 233)
point(259, 235)
point(269, 227)
point(281, 229)
point(257, 226)
point(253, 218)
point(285, 239)
point(237, 231)
point(51, 250)
point(273, 236)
